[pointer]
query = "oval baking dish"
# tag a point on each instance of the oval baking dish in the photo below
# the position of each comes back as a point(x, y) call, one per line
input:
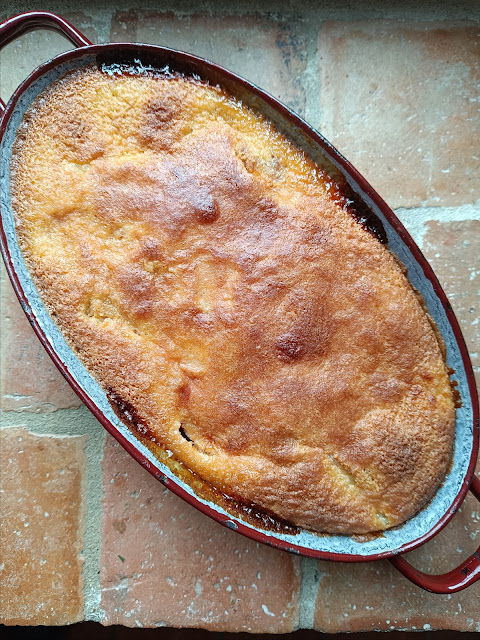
point(460, 478)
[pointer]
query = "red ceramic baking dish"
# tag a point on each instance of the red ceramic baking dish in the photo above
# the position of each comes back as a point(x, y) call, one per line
point(460, 478)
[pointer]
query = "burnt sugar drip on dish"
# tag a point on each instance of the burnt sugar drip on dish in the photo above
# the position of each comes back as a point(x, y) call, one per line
point(241, 320)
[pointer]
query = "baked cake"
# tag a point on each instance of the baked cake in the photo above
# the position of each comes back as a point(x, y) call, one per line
point(241, 320)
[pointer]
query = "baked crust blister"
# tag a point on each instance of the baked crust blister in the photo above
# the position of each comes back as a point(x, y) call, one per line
point(209, 276)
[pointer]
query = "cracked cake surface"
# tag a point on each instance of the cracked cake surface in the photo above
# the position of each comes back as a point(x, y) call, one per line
point(208, 275)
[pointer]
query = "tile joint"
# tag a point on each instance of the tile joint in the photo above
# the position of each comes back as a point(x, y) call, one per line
point(309, 588)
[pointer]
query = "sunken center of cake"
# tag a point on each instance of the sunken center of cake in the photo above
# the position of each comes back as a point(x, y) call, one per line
point(206, 273)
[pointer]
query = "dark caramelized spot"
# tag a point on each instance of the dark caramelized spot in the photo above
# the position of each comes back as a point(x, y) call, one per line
point(128, 414)
point(184, 394)
point(259, 517)
point(268, 210)
point(161, 125)
point(457, 398)
point(185, 185)
point(162, 110)
point(289, 347)
point(152, 249)
point(136, 286)
point(346, 197)
point(307, 329)
point(208, 210)
point(184, 434)
point(398, 460)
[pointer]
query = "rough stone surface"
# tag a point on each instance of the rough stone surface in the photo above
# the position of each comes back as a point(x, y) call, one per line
point(268, 52)
point(42, 528)
point(165, 564)
point(453, 249)
point(401, 102)
point(29, 381)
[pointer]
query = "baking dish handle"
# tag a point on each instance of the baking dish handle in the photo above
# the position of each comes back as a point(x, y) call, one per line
point(460, 578)
point(24, 22)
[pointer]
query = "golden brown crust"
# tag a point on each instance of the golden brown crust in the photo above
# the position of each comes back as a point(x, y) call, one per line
point(199, 266)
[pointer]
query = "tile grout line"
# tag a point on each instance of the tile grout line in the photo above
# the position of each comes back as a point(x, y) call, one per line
point(93, 518)
point(310, 78)
point(414, 219)
point(68, 423)
point(102, 22)
point(309, 590)
point(61, 422)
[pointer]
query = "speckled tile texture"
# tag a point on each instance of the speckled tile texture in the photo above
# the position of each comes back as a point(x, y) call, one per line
point(87, 534)
point(42, 527)
point(204, 575)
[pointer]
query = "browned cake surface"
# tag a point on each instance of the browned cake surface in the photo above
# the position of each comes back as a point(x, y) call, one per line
point(202, 270)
